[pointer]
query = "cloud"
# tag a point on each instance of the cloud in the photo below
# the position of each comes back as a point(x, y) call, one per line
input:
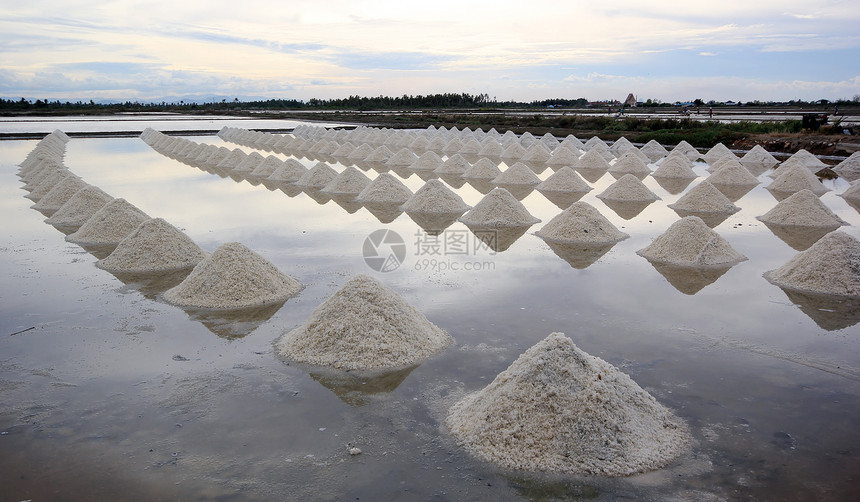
point(707, 53)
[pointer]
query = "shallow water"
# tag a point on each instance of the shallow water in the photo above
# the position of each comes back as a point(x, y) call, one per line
point(116, 395)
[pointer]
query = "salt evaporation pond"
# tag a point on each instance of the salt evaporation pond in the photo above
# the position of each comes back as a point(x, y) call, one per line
point(155, 403)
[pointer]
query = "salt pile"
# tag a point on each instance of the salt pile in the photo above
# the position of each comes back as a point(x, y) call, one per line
point(483, 169)
point(690, 243)
point(153, 247)
point(674, 168)
point(381, 154)
point(361, 152)
point(849, 168)
point(385, 189)
point(290, 171)
point(349, 182)
point(831, 267)
point(498, 209)
point(559, 409)
point(537, 152)
point(267, 167)
point(797, 178)
point(435, 197)
point(807, 159)
point(48, 183)
point(629, 163)
point(852, 193)
point(758, 157)
point(653, 150)
point(233, 278)
point(109, 225)
point(513, 151)
point(621, 146)
point(581, 223)
point(563, 157)
point(363, 326)
point(60, 194)
point(80, 207)
point(628, 188)
point(232, 160)
point(249, 163)
point(717, 152)
point(687, 150)
point(592, 160)
point(517, 174)
point(705, 198)
point(454, 165)
point(403, 158)
point(565, 180)
point(317, 177)
point(805, 209)
point(732, 172)
point(428, 161)
point(491, 148)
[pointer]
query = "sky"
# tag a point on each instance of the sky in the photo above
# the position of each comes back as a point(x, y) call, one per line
point(511, 50)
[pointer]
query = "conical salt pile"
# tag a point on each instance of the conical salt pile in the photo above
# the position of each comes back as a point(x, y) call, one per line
point(317, 177)
point(349, 182)
point(364, 326)
point(514, 151)
point(233, 159)
point(628, 188)
point(705, 198)
point(80, 207)
point(483, 169)
point(491, 148)
point(109, 225)
point(381, 154)
point(852, 193)
point(233, 278)
point(267, 167)
point(559, 409)
point(435, 198)
point(361, 152)
point(831, 266)
point(537, 152)
point(563, 156)
point(803, 209)
point(60, 194)
point(674, 168)
point(592, 160)
point(807, 159)
point(687, 149)
point(385, 189)
point(48, 183)
point(758, 157)
point(403, 158)
point(654, 150)
point(690, 243)
point(428, 161)
point(621, 146)
point(155, 246)
point(732, 172)
point(499, 209)
point(717, 152)
point(797, 178)
point(454, 165)
point(249, 163)
point(517, 174)
point(849, 168)
point(290, 171)
point(581, 223)
point(629, 163)
point(565, 180)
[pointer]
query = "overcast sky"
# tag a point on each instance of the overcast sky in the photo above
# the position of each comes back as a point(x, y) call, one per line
point(524, 50)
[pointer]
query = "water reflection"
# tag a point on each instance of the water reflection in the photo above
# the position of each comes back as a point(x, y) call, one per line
point(347, 202)
point(580, 256)
point(519, 192)
point(385, 213)
point(315, 195)
point(689, 280)
point(711, 219)
point(674, 185)
point(829, 312)
point(799, 238)
point(733, 192)
point(482, 186)
point(562, 199)
point(498, 239)
point(151, 285)
point(434, 223)
point(453, 180)
point(234, 324)
point(627, 209)
point(590, 175)
point(357, 388)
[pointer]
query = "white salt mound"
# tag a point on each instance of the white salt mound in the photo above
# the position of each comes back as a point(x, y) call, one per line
point(654, 150)
point(759, 157)
point(499, 209)
point(852, 193)
point(154, 246)
point(795, 179)
point(363, 326)
point(831, 266)
point(629, 163)
point(291, 171)
point(109, 225)
point(455, 165)
point(628, 188)
point(803, 209)
point(80, 207)
point(717, 152)
point(317, 177)
point(690, 243)
point(559, 409)
point(732, 172)
point(517, 174)
point(592, 160)
point(435, 198)
point(483, 169)
point(60, 194)
point(233, 278)
point(428, 161)
point(565, 180)
point(850, 167)
point(349, 182)
point(807, 159)
point(581, 223)
point(705, 198)
point(385, 189)
point(674, 168)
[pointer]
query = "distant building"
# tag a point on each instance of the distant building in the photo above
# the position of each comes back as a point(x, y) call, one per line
point(630, 101)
